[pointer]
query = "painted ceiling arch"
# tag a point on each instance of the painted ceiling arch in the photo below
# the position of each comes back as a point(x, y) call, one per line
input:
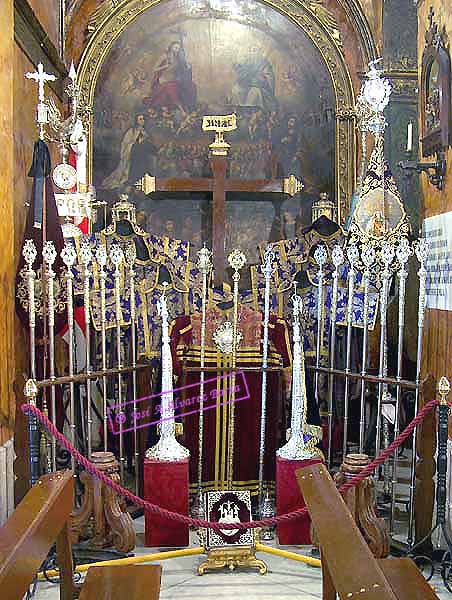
point(318, 26)
point(359, 39)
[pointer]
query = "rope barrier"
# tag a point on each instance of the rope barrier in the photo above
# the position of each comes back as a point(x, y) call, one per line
point(199, 523)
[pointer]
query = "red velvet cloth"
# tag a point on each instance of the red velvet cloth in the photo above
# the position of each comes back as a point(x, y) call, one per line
point(166, 484)
point(186, 349)
point(289, 498)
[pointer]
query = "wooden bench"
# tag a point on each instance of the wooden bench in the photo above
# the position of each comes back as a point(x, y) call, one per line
point(349, 568)
point(41, 519)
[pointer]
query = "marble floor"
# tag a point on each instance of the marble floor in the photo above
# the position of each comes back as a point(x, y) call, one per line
point(285, 580)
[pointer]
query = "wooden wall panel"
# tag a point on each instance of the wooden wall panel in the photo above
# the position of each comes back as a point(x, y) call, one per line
point(47, 13)
point(6, 221)
point(438, 332)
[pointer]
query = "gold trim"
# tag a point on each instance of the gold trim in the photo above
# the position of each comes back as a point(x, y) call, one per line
point(315, 25)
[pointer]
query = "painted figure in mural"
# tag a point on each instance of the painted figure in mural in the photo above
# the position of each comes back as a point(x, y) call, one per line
point(172, 84)
point(289, 146)
point(135, 136)
point(255, 82)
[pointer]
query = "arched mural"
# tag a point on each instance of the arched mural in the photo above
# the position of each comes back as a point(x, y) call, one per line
point(152, 68)
point(179, 61)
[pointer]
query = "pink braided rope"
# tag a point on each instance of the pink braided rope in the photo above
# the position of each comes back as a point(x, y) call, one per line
point(199, 523)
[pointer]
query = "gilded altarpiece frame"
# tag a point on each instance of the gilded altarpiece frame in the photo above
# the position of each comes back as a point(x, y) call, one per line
point(324, 36)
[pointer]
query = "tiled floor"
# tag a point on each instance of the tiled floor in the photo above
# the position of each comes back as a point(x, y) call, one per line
point(285, 580)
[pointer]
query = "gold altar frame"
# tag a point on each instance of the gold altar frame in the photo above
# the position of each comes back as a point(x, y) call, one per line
point(322, 32)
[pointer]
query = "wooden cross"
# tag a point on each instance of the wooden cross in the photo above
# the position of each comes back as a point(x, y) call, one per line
point(219, 184)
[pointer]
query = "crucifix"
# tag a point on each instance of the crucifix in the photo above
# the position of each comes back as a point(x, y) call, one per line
point(41, 78)
point(219, 184)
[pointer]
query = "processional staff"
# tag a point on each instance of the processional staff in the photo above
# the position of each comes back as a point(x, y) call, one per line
point(353, 257)
point(101, 258)
point(69, 257)
point(320, 256)
point(337, 256)
point(422, 253)
point(42, 112)
point(86, 258)
point(237, 261)
point(368, 256)
point(49, 255)
point(205, 267)
point(403, 253)
point(267, 268)
point(131, 257)
point(117, 258)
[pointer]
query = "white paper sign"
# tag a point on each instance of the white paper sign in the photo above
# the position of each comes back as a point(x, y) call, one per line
point(438, 231)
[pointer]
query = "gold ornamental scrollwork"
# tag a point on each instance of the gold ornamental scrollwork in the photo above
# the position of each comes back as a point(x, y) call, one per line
point(310, 15)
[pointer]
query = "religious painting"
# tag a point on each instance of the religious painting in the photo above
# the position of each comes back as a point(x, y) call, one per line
point(435, 91)
point(229, 507)
point(181, 60)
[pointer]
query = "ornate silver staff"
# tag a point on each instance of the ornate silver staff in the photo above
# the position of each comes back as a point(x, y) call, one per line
point(117, 258)
point(387, 256)
point(422, 252)
point(131, 256)
point(49, 254)
point(403, 254)
point(69, 256)
point(167, 449)
point(353, 257)
point(237, 261)
point(296, 448)
point(42, 110)
point(101, 258)
point(29, 253)
point(368, 259)
point(204, 266)
point(320, 256)
point(86, 258)
point(267, 269)
point(337, 256)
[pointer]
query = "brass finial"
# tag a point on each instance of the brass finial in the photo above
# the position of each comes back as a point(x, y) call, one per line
point(443, 389)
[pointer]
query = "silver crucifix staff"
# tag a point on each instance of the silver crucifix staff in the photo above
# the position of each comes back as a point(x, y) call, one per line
point(42, 111)
point(267, 269)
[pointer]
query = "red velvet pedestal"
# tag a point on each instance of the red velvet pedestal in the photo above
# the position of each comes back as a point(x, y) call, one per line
point(289, 498)
point(166, 484)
